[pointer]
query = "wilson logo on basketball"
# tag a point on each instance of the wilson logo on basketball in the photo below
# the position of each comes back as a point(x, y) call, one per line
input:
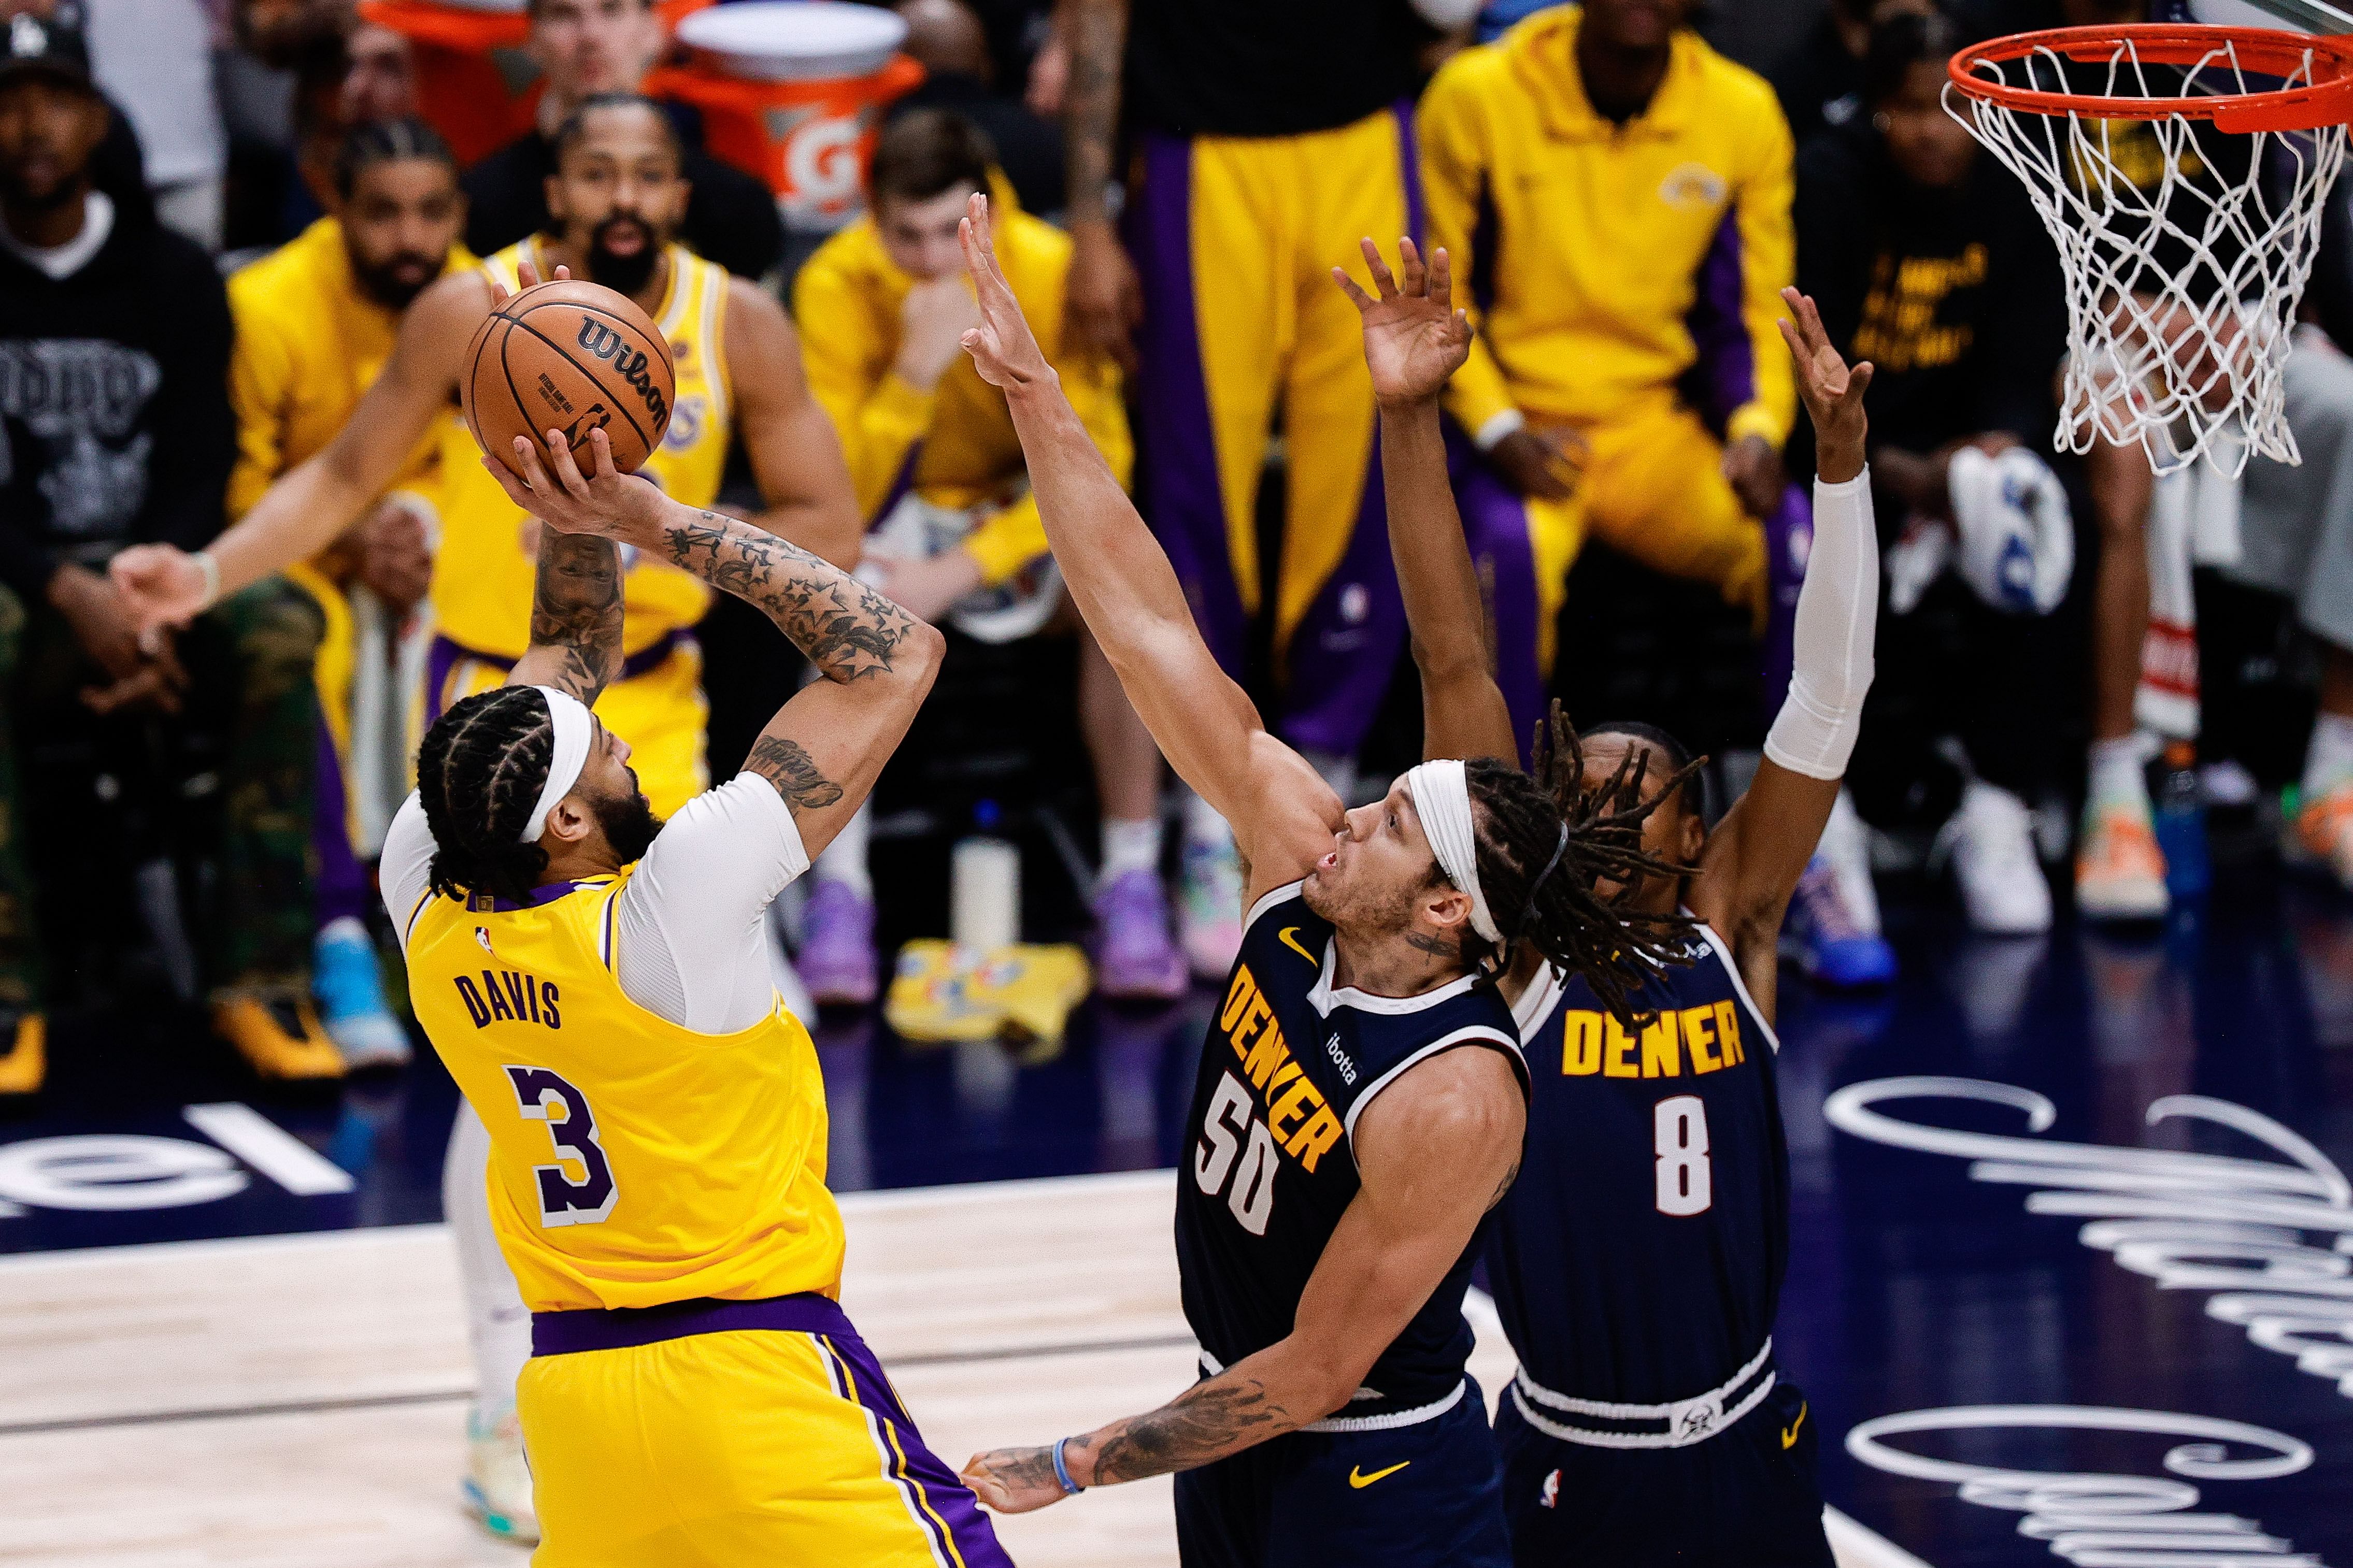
point(627, 364)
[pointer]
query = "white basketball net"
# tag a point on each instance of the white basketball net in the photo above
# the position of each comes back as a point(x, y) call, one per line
point(2180, 295)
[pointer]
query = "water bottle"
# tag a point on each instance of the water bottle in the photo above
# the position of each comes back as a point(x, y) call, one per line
point(2181, 823)
point(985, 889)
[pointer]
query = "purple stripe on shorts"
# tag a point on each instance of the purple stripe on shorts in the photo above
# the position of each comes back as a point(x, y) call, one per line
point(944, 1504)
point(1177, 446)
point(441, 663)
point(1723, 375)
point(343, 886)
point(901, 483)
point(619, 1328)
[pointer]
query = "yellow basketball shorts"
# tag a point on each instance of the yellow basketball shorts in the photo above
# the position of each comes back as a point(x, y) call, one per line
point(730, 1434)
point(657, 706)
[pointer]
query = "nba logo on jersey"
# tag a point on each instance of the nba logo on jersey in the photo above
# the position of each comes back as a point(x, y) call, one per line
point(1551, 1497)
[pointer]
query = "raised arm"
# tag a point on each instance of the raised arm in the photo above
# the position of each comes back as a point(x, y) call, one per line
point(796, 455)
point(825, 748)
point(1757, 853)
point(1283, 816)
point(1414, 341)
point(308, 507)
point(1436, 1151)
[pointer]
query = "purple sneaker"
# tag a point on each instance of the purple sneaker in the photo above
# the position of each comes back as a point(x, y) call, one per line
point(837, 956)
point(1135, 957)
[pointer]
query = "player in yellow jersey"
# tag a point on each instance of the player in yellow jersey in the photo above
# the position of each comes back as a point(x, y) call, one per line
point(315, 322)
point(597, 986)
point(617, 199)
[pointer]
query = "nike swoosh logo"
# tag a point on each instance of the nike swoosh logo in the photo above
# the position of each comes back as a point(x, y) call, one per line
point(1790, 1433)
point(1356, 1477)
point(1284, 936)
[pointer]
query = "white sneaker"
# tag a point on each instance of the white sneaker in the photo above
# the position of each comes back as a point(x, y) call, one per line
point(498, 1477)
point(1991, 842)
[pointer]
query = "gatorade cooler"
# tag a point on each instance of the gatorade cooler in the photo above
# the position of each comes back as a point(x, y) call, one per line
point(794, 90)
point(474, 82)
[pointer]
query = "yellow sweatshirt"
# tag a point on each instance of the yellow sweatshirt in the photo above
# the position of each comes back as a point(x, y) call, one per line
point(309, 342)
point(959, 434)
point(1603, 263)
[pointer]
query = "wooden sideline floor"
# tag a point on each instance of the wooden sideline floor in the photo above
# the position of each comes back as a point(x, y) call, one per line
point(300, 1400)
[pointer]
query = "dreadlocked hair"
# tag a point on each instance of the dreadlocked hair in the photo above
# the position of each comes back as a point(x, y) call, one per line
point(1598, 836)
point(479, 774)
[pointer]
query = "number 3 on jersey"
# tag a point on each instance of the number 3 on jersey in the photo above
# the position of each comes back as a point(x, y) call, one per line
point(1686, 1175)
point(1231, 1131)
point(561, 1200)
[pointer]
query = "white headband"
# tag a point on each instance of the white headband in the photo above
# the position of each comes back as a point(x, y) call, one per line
point(573, 730)
point(1441, 797)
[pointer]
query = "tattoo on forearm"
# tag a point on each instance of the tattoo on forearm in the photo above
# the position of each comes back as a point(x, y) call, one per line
point(847, 629)
point(793, 773)
point(1098, 42)
point(1200, 1424)
point(576, 609)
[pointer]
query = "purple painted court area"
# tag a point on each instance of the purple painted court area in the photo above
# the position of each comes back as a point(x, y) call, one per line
point(2033, 1325)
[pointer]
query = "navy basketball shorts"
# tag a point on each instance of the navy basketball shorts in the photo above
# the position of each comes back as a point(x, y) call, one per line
point(1428, 1494)
point(1746, 1497)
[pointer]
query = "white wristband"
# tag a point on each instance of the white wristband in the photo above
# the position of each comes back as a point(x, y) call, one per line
point(1495, 429)
point(210, 568)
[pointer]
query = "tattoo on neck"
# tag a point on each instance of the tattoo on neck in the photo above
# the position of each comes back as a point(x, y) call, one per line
point(793, 773)
point(1200, 1424)
point(576, 607)
point(847, 629)
point(1436, 946)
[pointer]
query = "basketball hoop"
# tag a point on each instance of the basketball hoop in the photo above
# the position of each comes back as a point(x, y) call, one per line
point(2181, 297)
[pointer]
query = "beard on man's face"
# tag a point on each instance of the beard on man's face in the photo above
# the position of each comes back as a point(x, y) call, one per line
point(628, 822)
point(398, 279)
point(627, 272)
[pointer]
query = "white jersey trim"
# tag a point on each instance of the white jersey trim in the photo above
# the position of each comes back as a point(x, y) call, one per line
point(1468, 1033)
point(1323, 995)
point(1689, 1421)
point(1388, 1422)
point(1723, 951)
point(1537, 1003)
point(1269, 898)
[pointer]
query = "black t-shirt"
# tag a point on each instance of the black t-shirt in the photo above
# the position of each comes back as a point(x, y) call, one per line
point(1953, 295)
point(113, 403)
point(731, 217)
point(1268, 67)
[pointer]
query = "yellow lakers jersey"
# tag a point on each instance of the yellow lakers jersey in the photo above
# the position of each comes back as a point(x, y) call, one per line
point(483, 576)
point(633, 1160)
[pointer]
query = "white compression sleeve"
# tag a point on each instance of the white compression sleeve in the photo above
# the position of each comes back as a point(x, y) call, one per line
point(497, 1324)
point(1838, 615)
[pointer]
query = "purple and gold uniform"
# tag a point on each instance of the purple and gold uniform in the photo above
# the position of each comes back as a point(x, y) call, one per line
point(1625, 280)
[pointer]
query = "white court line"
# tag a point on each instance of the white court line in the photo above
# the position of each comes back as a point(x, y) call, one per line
point(1857, 1545)
point(269, 1149)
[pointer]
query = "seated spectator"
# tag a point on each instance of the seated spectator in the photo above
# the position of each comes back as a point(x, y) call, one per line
point(947, 39)
point(1617, 196)
point(315, 322)
point(119, 168)
point(939, 475)
point(590, 47)
point(1927, 259)
point(114, 342)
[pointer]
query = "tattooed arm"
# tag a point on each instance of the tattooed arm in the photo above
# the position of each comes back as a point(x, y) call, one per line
point(1436, 1150)
point(825, 748)
point(1104, 300)
point(576, 617)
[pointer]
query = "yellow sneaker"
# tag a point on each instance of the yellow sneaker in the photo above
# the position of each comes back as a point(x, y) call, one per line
point(281, 1038)
point(26, 1062)
point(2324, 831)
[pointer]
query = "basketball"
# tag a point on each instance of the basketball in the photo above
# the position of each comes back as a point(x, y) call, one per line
point(568, 356)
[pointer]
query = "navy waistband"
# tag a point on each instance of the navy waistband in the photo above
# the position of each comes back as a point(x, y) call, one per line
point(619, 1328)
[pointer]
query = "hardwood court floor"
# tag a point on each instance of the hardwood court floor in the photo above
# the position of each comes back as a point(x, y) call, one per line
point(300, 1400)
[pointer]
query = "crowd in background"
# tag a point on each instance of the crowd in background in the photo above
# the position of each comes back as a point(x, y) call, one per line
point(213, 214)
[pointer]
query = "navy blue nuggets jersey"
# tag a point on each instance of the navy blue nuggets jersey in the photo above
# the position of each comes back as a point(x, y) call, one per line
point(1638, 1259)
point(1291, 1062)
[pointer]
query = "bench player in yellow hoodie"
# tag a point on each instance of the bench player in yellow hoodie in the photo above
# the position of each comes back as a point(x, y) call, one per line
point(944, 486)
point(617, 198)
point(599, 986)
point(315, 322)
point(1617, 195)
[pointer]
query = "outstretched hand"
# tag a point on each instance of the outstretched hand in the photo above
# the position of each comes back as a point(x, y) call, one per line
point(526, 274)
point(608, 503)
point(1003, 348)
point(1833, 390)
point(1414, 337)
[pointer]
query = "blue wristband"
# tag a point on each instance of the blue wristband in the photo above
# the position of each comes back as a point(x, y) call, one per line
point(1063, 1471)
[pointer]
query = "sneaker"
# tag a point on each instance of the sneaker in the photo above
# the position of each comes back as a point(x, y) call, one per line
point(1831, 932)
point(1136, 958)
point(1210, 906)
point(837, 957)
point(2119, 870)
point(280, 1036)
point(350, 991)
point(2324, 832)
point(25, 1063)
point(1991, 841)
point(498, 1477)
